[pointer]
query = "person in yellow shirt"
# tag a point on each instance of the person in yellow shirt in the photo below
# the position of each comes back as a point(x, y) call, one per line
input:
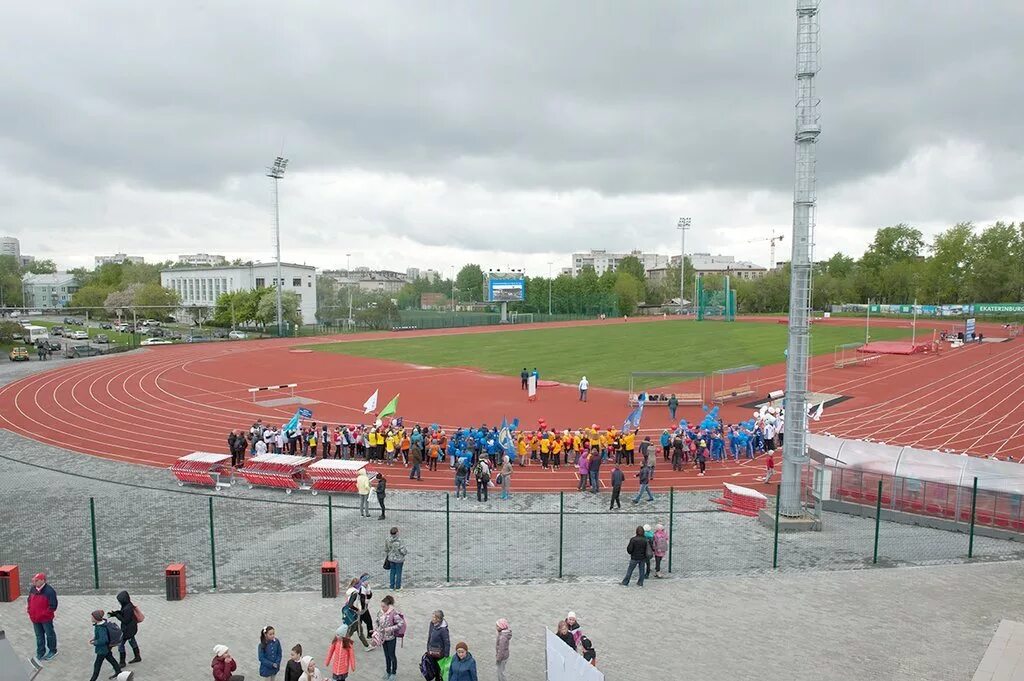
point(577, 446)
point(628, 443)
point(389, 448)
point(521, 449)
point(556, 452)
point(545, 449)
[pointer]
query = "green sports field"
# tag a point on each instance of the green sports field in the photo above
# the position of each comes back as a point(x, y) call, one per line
point(606, 354)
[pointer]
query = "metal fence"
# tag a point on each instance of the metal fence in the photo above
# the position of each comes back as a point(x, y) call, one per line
point(228, 543)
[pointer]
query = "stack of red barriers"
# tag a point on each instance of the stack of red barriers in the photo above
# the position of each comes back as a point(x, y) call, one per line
point(741, 500)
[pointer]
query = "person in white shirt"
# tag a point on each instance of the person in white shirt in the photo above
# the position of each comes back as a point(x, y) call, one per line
point(261, 447)
point(584, 386)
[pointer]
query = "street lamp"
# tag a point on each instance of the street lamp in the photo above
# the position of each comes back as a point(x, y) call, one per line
point(453, 289)
point(276, 172)
point(682, 226)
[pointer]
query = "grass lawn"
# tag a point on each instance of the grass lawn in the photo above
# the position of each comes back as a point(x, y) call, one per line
point(606, 354)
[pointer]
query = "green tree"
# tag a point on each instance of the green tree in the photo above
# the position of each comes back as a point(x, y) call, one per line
point(266, 308)
point(40, 267)
point(237, 308)
point(381, 315)
point(8, 330)
point(10, 281)
point(157, 302)
point(839, 266)
point(996, 269)
point(632, 265)
point(470, 282)
point(628, 290)
point(944, 275)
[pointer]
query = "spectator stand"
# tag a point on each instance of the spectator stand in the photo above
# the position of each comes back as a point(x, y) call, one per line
point(336, 475)
point(733, 384)
point(688, 386)
point(283, 471)
point(849, 354)
point(204, 468)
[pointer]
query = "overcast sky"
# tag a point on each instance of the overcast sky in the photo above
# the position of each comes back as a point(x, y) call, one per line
point(429, 134)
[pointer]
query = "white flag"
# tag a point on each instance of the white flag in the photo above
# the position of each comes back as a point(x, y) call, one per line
point(371, 404)
point(818, 411)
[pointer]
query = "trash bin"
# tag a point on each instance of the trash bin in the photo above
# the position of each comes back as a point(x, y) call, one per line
point(329, 578)
point(10, 589)
point(176, 582)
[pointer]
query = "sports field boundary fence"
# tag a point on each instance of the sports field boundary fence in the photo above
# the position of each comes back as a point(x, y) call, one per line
point(230, 544)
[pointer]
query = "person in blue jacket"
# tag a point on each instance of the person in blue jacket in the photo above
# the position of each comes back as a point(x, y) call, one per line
point(463, 667)
point(269, 653)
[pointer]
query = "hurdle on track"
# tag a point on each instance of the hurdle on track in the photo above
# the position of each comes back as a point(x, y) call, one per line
point(733, 384)
point(289, 387)
point(657, 386)
point(848, 354)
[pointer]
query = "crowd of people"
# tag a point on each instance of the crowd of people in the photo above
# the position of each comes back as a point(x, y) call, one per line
point(486, 455)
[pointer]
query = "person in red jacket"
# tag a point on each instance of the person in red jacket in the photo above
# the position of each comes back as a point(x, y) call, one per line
point(42, 608)
point(224, 665)
point(769, 467)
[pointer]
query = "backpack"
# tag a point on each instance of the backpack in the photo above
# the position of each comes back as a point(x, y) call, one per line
point(402, 626)
point(113, 633)
point(139, 617)
point(428, 667)
point(649, 549)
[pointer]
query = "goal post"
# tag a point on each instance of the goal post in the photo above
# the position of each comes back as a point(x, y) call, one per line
point(846, 354)
point(733, 384)
point(689, 387)
point(521, 317)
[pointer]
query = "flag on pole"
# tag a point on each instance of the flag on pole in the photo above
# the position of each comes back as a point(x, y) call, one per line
point(818, 411)
point(390, 408)
point(293, 424)
point(505, 441)
point(632, 421)
point(371, 404)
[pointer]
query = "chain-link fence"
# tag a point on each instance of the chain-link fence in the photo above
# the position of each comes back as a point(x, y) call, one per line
point(125, 539)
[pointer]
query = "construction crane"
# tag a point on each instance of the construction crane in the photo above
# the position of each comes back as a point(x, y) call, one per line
point(772, 239)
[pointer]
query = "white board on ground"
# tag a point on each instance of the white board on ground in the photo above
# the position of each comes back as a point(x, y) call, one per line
point(565, 664)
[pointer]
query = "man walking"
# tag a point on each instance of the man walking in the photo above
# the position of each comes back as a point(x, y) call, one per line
point(645, 479)
point(637, 550)
point(524, 378)
point(42, 608)
point(416, 459)
point(483, 479)
point(673, 404)
point(618, 477)
point(584, 386)
point(595, 470)
point(104, 638)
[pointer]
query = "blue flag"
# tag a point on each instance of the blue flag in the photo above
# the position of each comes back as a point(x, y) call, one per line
point(305, 413)
point(632, 421)
point(293, 424)
point(506, 442)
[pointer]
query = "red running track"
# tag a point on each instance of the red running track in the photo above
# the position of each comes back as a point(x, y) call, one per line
point(151, 407)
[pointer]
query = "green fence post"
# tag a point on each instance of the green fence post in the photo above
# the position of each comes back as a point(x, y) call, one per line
point(974, 506)
point(775, 547)
point(671, 526)
point(878, 521)
point(447, 537)
point(213, 545)
point(95, 555)
point(561, 530)
point(330, 526)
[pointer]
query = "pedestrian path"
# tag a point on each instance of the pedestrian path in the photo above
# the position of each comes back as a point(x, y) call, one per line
point(1004, 659)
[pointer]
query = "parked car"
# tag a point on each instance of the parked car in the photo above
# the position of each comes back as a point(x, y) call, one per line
point(79, 335)
point(56, 330)
point(75, 351)
point(237, 335)
point(18, 354)
point(71, 321)
point(123, 328)
point(156, 341)
point(102, 338)
point(196, 339)
point(51, 345)
point(150, 322)
point(106, 325)
point(219, 333)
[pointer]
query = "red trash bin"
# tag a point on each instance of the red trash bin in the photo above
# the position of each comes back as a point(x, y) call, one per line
point(10, 588)
point(175, 581)
point(329, 578)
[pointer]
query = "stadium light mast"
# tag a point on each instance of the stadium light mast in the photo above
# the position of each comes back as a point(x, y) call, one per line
point(682, 226)
point(276, 173)
point(808, 127)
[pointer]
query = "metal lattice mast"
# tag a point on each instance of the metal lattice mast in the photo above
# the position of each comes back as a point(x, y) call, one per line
point(808, 128)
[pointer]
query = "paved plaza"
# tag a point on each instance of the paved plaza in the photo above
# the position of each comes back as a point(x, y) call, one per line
point(930, 623)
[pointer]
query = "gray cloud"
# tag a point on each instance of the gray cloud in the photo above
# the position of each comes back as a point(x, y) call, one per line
point(619, 99)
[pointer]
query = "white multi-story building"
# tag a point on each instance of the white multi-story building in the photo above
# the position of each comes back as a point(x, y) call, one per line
point(118, 259)
point(201, 286)
point(705, 263)
point(10, 245)
point(48, 290)
point(603, 261)
point(371, 281)
point(202, 260)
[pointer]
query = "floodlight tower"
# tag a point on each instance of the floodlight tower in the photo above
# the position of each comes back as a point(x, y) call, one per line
point(682, 226)
point(276, 172)
point(808, 128)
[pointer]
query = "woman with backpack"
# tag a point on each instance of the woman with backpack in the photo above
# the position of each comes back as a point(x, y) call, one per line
point(660, 548)
point(269, 653)
point(104, 635)
point(390, 625)
point(352, 613)
point(129, 616)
